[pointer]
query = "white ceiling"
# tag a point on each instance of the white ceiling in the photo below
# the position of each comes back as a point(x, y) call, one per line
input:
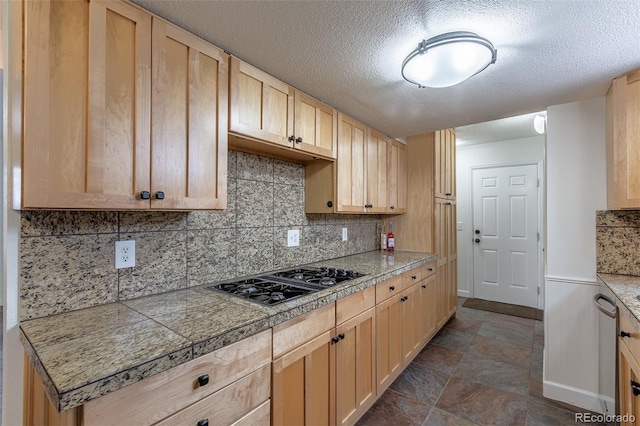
point(349, 53)
point(503, 129)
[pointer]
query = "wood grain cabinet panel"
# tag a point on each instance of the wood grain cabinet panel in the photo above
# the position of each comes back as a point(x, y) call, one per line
point(623, 142)
point(428, 305)
point(378, 150)
point(398, 178)
point(92, 137)
point(411, 327)
point(389, 335)
point(315, 126)
point(87, 93)
point(189, 121)
point(628, 385)
point(350, 177)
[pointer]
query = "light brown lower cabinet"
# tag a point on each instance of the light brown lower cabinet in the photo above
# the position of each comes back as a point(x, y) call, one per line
point(628, 385)
point(389, 349)
point(427, 308)
point(237, 384)
point(411, 327)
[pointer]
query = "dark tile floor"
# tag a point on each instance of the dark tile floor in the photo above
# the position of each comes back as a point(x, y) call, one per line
point(482, 368)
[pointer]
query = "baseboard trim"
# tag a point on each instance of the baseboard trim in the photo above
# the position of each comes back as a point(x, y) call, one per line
point(578, 397)
point(464, 293)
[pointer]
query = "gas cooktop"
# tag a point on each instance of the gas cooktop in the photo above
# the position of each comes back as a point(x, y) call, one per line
point(286, 285)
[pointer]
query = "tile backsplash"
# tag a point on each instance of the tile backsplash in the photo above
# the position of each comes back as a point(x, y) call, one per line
point(67, 257)
point(618, 242)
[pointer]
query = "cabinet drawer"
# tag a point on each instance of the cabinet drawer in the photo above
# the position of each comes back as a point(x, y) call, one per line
point(353, 305)
point(229, 404)
point(293, 333)
point(259, 416)
point(630, 325)
point(156, 397)
point(428, 269)
point(388, 288)
point(411, 277)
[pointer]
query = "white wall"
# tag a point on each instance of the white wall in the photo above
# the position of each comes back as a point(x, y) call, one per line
point(529, 150)
point(576, 188)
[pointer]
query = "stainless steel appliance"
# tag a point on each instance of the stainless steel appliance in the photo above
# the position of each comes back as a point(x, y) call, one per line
point(607, 354)
point(282, 286)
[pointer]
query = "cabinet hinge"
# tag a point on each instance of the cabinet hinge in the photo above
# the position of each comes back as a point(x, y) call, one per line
point(538, 291)
point(538, 183)
point(538, 236)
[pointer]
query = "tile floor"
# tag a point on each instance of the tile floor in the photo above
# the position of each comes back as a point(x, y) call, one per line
point(482, 368)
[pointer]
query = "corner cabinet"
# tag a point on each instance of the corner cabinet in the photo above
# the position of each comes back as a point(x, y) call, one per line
point(623, 142)
point(92, 139)
point(268, 116)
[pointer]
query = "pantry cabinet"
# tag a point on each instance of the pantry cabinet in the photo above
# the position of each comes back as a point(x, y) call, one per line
point(93, 135)
point(268, 116)
point(623, 142)
point(429, 224)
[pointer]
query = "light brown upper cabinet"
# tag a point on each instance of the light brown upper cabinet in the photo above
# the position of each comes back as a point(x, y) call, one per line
point(351, 178)
point(623, 142)
point(398, 178)
point(369, 175)
point(87, 126)
point(269, 116)
point(445, 164)
point(189, 121)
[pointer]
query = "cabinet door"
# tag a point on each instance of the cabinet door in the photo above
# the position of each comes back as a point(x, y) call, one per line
point(189, 121)
point(411, 329)
point(629, 373)
point(355, 367)
point(87, 95)
point(388, 342)
point(377, 171)
point(452, 256)
point(428, 322)
point(398, 178)
point(444, 171)
point(351, 177)
point(261, 106)
point(316, 126)
point(303, 384)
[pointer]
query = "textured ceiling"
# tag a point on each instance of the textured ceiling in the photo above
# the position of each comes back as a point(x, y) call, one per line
point(503, 129)
point(349, 53)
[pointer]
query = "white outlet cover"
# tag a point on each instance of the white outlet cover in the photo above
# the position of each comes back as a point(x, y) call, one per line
point(125, 254)
point(293, 237)
point(345, 235)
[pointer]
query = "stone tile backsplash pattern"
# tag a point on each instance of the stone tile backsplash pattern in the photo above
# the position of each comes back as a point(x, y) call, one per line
point(618, 242)
point(67, 257)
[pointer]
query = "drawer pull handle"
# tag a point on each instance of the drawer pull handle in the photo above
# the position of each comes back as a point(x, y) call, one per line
point(145, 195)
point(392, 288)
point(413, 277)
point(203, 380)
point(431, 269)
point(203, 422)
point(160, 195)
point(624, 334)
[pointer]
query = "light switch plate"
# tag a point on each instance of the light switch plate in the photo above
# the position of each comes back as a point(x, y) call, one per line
point(345, 235)
point(293, 237)
point(459, 226)
point(125, 254)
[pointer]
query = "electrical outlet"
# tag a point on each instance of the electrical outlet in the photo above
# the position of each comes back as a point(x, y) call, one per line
point(345, 235)
point(293, 237)
point(459, 226)
point(125, 254)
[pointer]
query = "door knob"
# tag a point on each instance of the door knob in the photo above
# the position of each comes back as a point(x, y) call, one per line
point(477, 240)
point(477, 231)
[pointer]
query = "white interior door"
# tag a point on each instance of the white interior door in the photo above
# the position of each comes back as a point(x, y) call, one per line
point(505, 220)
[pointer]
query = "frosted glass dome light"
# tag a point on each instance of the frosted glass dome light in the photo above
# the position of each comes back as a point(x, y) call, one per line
point(448, 59)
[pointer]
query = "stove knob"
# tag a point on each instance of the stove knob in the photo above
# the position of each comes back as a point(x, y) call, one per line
point(341, 273)
point(350, 274)
point(332, 272)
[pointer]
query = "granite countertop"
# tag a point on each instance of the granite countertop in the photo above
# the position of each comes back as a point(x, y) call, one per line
point(627, 289)
point(82, 355)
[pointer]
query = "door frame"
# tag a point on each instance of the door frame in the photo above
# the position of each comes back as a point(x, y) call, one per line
point(541, 223)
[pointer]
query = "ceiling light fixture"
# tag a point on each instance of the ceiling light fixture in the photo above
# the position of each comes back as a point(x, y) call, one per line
point(448, 59)
point(540, 123)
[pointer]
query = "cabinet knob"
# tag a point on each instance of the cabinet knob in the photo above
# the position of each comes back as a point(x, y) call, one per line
point(624, 334)
point(292, 138)
point(329, 203)
point(203, 422)
point(160, 195)
point(392, 288)
point(145, 195)
point(424, 286)
point(413, 277)
point(341, 336)
point(203, 380)
point(393, 207)
point(335, 340)
point(635, 386)
point(447, 193)
point(298, 140)
point(431, 269)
